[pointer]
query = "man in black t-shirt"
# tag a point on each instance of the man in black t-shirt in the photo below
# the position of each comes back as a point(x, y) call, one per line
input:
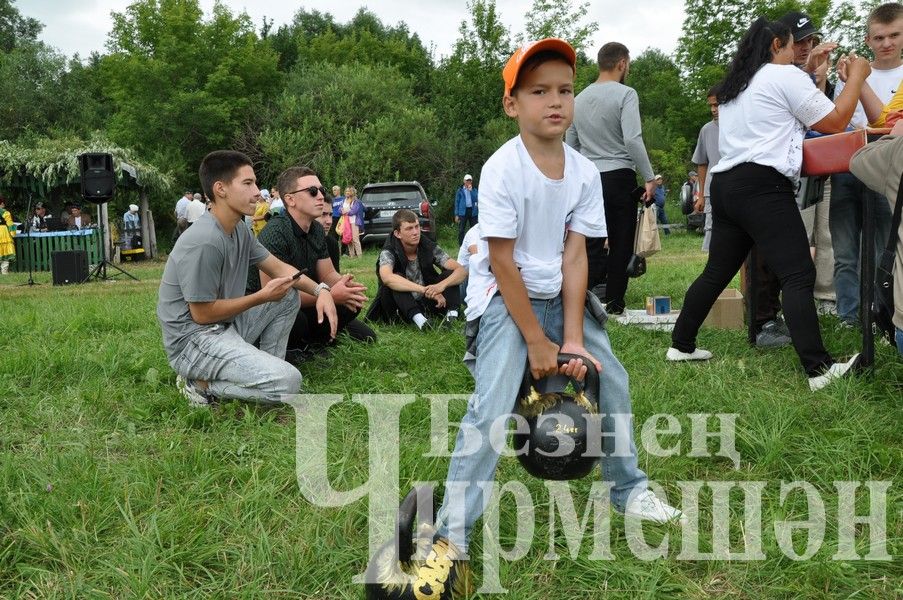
point(297, 238)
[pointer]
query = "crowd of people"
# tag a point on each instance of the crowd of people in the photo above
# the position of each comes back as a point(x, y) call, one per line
point(557, 215)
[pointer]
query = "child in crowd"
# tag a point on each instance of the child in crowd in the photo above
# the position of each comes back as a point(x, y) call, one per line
point(539, 201)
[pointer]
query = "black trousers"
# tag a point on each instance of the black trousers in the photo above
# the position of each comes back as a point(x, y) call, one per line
point(754, 204)
point(466, 222)
point(620, 219)
point(307, 331)
point(407, 306)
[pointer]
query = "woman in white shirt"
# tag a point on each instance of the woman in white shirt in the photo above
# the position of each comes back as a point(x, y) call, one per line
point(765, 106)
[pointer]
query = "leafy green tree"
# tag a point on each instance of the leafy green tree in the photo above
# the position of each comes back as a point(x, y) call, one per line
point(15, 29)
point(353, 123)
point(663, 94)
point(181, 86)
point(467, 86)
point(712, 29)
point(560, 18)
point(305, 25)
point(845, 24)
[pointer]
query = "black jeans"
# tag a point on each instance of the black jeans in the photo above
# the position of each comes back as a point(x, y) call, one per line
point(754, 204)
point(620, 219)
point(306, 330)
point(407, 306)
point(466, 222)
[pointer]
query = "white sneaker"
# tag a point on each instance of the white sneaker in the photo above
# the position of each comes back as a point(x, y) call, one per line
point(196, 398)
point(648, 507)
point(676, 355)
point(836, 371)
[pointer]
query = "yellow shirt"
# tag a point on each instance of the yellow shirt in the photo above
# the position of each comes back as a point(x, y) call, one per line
point(896, 103)
point(262, 209)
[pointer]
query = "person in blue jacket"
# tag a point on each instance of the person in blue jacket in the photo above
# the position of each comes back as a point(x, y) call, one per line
point(465, 207)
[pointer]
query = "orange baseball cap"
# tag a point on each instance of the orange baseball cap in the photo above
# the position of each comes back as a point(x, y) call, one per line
point(512, 68)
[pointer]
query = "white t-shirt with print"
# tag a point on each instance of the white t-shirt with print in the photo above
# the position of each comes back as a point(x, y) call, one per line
point(766, 123)
point(884, 82)
point(518, 202)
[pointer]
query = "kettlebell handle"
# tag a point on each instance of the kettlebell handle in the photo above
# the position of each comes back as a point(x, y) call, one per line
point(589, 386)
point(404, 521)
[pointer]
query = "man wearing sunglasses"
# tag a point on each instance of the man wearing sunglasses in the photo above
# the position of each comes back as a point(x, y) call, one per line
point(297, 238)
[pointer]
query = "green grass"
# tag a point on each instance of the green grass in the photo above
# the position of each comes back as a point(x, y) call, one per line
point(111, 487)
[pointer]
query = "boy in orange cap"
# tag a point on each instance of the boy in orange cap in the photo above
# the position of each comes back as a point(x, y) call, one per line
point(539, 201)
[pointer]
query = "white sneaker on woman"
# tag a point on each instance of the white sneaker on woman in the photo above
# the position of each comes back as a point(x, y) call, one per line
point(676, 355)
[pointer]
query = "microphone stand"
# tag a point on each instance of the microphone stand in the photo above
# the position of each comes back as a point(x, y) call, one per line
point(30, 246)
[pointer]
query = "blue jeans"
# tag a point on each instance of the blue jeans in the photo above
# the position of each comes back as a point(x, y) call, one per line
point(661, 216)
point(225, 357)
point(900, 341)
point(500, 363)
point(845, 222)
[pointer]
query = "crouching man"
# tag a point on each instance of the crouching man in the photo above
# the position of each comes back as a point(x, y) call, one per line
point(209, 325)
point(410, 286)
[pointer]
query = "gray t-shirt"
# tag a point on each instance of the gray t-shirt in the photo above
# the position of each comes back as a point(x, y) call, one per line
point(607, 128)
point(706, 152)
point(205, 265)
point(413, 273)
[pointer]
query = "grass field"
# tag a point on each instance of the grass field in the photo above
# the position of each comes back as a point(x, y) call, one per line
point(111, 487)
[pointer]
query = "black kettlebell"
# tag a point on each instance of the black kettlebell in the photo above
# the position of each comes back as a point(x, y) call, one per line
point(555, 418)
point(394, 574)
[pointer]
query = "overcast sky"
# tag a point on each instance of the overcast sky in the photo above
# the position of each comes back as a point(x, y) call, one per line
point(82, 26)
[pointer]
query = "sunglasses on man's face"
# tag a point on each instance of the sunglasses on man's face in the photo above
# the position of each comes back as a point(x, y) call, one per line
point(312, 190)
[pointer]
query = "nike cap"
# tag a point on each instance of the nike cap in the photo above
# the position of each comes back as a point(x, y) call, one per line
point(800, 24)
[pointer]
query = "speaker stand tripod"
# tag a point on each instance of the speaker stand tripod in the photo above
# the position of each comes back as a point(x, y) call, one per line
point(100, 270)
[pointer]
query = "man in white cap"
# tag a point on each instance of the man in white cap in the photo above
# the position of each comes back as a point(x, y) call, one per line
point(130, 219)
point(465, 207)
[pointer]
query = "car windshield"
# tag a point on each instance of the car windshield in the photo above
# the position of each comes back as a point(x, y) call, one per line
point(390, 196)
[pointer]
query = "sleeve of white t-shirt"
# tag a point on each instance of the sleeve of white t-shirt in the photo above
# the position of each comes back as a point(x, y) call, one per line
point(589, 213)
point(806, 102)
point(498, 210)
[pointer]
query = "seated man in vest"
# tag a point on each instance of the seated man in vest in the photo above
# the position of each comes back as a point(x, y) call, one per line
point(416, 276)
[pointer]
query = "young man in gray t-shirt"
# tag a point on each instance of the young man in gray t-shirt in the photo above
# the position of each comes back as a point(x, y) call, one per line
point(209, 324)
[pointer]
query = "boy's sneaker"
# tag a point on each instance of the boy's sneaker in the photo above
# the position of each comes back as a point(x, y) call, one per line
point(836, 371)
point(772, 336)
point(648, 507)
point(195, 397)
point(676, 355)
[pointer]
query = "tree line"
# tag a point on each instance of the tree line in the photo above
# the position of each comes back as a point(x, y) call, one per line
point(360, 101)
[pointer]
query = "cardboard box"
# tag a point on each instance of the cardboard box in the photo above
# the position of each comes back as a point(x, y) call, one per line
point(727, 312)
point(658, 305)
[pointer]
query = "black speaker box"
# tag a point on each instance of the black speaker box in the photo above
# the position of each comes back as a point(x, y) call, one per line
point(69, 266)
point(98, 177)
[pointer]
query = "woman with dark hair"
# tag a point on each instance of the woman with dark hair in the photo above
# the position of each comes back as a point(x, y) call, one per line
point(765, 106)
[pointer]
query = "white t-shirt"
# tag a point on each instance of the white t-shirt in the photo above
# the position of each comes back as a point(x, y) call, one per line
point(195, 210)
point(518, 202)
point(481, 285)
point(766, 123)
point(181, 207)
point(884, 83)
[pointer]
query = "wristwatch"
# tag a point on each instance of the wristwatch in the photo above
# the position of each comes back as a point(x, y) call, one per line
point(320, 287)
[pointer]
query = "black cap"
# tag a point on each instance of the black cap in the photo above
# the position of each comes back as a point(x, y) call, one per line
point(800, 24)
